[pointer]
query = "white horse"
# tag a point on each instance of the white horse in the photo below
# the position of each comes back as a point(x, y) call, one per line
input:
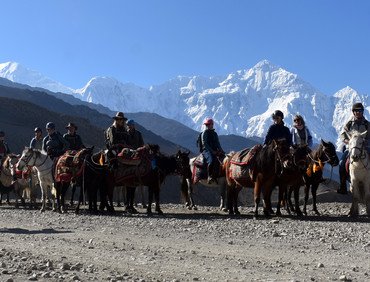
point(44, 165)
point(187, 187)
point(359, 170)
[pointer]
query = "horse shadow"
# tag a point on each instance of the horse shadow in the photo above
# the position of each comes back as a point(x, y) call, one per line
point(22, 231)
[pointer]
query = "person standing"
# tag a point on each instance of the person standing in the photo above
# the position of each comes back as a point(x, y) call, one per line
point(359, 123)
point(36, 142)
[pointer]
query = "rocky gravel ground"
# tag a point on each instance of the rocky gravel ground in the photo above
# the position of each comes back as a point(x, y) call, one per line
point(186, 245)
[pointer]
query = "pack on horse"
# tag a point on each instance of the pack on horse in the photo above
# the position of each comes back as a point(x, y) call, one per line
point(359, 170)
point(197, 173)
point(258, 171)
point(69, 168)
point(324, 153)
point(44, 166)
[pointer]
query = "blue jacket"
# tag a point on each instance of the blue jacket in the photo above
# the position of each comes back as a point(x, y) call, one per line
point(278, 131)
point(210, 141)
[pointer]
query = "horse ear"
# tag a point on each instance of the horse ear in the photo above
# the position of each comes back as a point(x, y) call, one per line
point(323, 142)
point(187, 152)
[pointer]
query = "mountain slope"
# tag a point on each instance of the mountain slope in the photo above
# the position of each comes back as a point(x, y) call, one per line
point(241, 103)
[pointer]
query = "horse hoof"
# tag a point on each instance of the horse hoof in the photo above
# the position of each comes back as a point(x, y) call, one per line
point(317, 212)
point(231, 212)
point(278, 213)
point(195, 208)
point(159, 211)
point(237, 212)
point(42, 210)
point(224, 210)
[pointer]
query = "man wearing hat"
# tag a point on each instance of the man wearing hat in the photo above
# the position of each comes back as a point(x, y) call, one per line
point(4, 148)
point(116, 134)
point(74, 140)
point(359, 123)
point(36, 142)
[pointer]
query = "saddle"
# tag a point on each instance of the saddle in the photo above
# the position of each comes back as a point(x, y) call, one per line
point(133, 163)
point(131, 157)
point(67, 167)
point(243, 163)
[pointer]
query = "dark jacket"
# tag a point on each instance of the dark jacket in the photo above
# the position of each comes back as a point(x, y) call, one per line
point(4, 149)
point(75, 141)
point(135, 139)
point(278, 131)
point(54, 145)
point(115, 136)
point(210, 141)
point(361, 126)
point(36, 144)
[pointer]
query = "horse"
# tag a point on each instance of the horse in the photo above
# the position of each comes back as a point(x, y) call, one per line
point(359, 170)
point(10, 181)
point(150, 171)
point(293, 175)
point(93, 181)
point(197, 166)
point(44, 166)
point(68, 169)
point(268, 163)
point(324, 153)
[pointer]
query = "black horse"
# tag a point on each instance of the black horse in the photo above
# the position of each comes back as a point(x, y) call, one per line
point(324, 153)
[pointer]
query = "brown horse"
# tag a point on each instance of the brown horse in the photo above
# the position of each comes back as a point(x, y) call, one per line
point(324, 153)
point(69, 168)
point(292, 176)
point(269, 162)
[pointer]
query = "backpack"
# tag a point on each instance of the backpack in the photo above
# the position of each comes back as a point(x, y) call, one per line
point(199, 142)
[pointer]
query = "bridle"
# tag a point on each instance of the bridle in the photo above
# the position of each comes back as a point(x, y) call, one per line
point(29, 158)
point(362, 156)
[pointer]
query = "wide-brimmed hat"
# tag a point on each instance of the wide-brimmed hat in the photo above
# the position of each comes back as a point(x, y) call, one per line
point(71, 124)
point(119, 115)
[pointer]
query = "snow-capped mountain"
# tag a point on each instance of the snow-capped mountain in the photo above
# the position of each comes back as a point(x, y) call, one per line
point(240, 103)
point(17, 73)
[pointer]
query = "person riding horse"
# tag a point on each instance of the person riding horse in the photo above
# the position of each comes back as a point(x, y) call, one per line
point(116, 134)
point(359, 123)
point(74, 140)
point(210, 149)
point(54, 144)
point(36, 142)
point(4, 148)
point(278, 130)
point(134, 141)
point(300, 133)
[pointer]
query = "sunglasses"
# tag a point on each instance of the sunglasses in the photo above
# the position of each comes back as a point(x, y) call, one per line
point(358, 111)
point(296, 120)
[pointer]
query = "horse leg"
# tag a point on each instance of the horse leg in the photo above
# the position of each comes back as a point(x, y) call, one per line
point(282, 193)
point(367, 201)
point(230, 198)
point(257, 196)
point(355, 199)
point(267, 192)
point(150, 200)
point(306, 194)
point(156, 196)
point(289, 204)
point(43, 197)
point(64, 188)
point(73, 186)
point(235, 199)
point(314, 193)
point(225, 199)
point(296, 201)
point(184, 192)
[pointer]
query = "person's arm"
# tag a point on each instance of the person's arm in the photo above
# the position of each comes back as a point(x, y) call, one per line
point(294, 138)
point(32, 143)
point(268, 136)
point(205, 141)
point(141, 140)
point(218, 143)
point(309, 138)
point(80, 143)
point(344, 135)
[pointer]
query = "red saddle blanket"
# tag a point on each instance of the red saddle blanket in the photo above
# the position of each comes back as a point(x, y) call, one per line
point(67, 167)
point(242, 163)
point(133, 163)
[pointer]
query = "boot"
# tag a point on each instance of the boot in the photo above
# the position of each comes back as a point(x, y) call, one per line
point(210, 179)
point(343, 183)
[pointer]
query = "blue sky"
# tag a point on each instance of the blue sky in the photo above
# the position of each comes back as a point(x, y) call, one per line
point(326, 42)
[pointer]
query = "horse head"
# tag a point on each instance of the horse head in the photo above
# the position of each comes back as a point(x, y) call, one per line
point(327, 153)
point(27, 156)
point(300, 157)
point(182, 163)
point(283, 153)
point(357, 146)
point(82, 154)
